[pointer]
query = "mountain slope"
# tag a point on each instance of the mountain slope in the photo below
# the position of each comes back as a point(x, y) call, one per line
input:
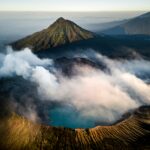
point(126, 46)
point(60, 32)
point(98, 27)
point(138, 25)
point(132, 133)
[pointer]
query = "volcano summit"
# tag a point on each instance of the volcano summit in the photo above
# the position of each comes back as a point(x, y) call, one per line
point(61, 32)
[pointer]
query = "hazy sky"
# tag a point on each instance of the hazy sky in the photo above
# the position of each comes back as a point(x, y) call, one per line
point(75, 5)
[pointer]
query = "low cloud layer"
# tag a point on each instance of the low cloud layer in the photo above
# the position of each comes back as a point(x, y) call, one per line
point(95, 93)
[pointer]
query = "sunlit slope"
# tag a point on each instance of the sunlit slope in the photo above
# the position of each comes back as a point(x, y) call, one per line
point(133, 133)
point(60, 32)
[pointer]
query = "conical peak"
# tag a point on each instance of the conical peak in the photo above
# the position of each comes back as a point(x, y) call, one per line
point(61, 19)
point(62, 31)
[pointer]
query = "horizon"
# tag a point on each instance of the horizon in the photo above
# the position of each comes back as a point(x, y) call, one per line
point(73, 6)
point(143, 11)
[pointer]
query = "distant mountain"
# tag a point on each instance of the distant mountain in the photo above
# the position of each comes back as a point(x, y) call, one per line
point(98, 27)
point(60, 32)
point(138, 25)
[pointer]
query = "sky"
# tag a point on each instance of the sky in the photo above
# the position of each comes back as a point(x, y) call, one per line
point(74, 5)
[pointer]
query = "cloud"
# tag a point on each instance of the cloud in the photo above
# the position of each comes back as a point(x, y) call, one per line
point(20, 63)
point(104, 96)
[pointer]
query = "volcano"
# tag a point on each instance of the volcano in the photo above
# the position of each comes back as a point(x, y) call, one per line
point(61, 32)
point(132, 133)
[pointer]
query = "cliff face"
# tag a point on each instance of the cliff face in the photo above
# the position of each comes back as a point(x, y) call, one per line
point(133, 133)
point(60, 32)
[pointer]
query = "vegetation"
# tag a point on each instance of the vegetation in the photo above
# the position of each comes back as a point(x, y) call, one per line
point(133, 133)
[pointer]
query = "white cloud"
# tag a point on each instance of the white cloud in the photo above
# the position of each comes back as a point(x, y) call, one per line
point(93, 92)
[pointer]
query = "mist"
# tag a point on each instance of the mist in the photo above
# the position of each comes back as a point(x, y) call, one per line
point(92, 96)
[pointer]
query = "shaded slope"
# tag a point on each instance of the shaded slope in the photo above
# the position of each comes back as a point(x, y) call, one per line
point(138, 25)
point(67, 65)
point(60, 32)
point(99, 27)
point(132, 133)
point(128, 47)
